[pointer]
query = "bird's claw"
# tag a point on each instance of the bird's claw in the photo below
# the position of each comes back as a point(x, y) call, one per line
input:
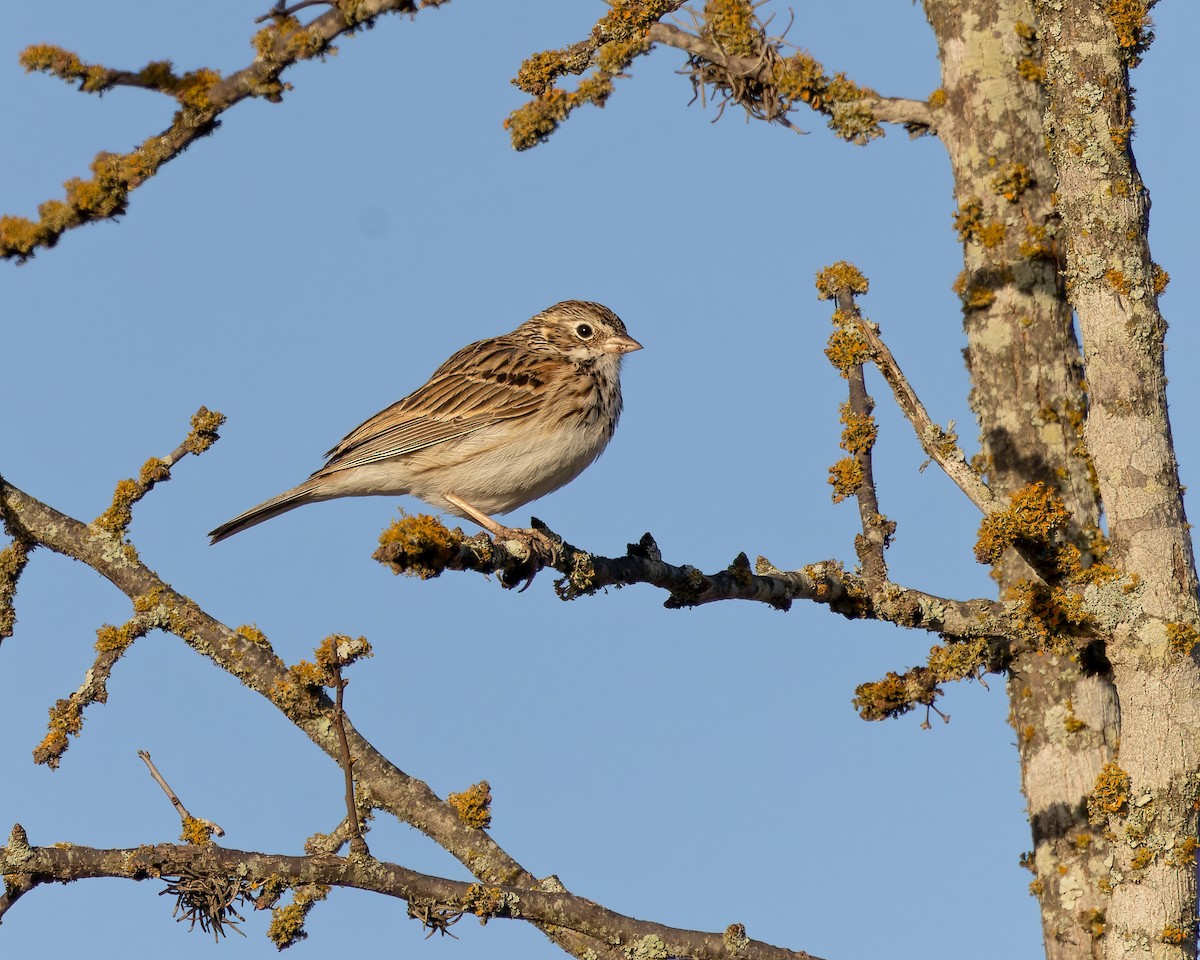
point(534, 550)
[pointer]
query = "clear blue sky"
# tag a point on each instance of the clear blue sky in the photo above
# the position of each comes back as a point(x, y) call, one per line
point(315, 260)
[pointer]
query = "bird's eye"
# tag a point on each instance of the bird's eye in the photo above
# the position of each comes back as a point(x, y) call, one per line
point(584, 331)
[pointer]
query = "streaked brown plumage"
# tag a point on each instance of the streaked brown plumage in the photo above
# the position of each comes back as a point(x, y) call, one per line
point(502, 422)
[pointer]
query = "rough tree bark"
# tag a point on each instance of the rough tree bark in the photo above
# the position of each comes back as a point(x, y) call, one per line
point(1113, 285)
point(1028, 394)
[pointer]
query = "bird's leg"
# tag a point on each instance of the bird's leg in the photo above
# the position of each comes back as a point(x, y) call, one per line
point(481, 518)
point(500, 532)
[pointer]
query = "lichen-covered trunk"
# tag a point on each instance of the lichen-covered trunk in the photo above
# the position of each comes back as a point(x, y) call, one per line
point(1029, 396)
point(1088, 47)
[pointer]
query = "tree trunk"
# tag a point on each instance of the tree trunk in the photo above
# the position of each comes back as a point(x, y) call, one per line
point(1029, 397)
point(1034, 104)
point(1088, 49)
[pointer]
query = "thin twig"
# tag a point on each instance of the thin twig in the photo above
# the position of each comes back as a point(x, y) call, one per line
point(357, 843)
point(941, 445)
point(184, 816)
point(283, 10)
point(915, 115)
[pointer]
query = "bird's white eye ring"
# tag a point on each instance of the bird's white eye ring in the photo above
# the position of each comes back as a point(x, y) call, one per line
point(584, 331)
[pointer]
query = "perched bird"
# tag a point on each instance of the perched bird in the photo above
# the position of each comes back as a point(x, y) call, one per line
point(502, 422)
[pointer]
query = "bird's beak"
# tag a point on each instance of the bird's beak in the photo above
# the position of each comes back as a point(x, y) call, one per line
point(622, 343)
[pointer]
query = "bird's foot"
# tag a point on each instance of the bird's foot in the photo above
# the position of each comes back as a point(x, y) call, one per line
point(534, 546)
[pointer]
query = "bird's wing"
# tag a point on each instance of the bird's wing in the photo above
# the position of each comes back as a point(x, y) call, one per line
point(479, 386)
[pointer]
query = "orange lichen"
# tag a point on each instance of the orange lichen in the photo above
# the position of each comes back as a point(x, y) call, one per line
point(66, 718)
point(1182, 637)
point(1038, 244)
point(1032, 70)
point(473, 805)
point(968, 218)
point(860, 431)
point(338, 650)
point(993, 234)
point(1012, 181)
point(839, 277)
point(1184, 853)
point(13, 560)
point(117, 517)
point(957, 661)
point(845, 476)
point(1132, 23)
point(420, 546)
point(1035, 514)
point(205, 423)
point(896, 694)
point(1049, 616)
point(1118, 281)
point(252, 634)
point(1176, 933)
point(153, 471)
point(196, 831)
point(732, 24)
point(110, 639)
point(1110, 796)
point(979, 298)
point(483, 901)
point(1159, 278)
point(847, 349)
point(615, 40)
point(287, 922)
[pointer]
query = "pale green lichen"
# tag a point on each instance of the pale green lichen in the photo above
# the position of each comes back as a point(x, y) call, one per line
point(649, 947)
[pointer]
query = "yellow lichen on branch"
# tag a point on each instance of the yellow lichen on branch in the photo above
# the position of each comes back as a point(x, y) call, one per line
point(66, 718)
point(205, 424)
point(202, 95)
point(287, 922)
point(740, 62)
point(838, 277)
point(196, 831)
point(1132, 23)
point(845, 476)
point(898, 693)
point(859, 432)
point(615, 41)
point(474, 805)
point(419, 546)
point(1034, 516)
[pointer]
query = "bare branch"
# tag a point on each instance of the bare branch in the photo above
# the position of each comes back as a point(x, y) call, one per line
point(615, 41)
point(187, 819)
point(421, 546)
point(357, 844)
point(762, 71)
point(203, 95)
point(858, 439)
point(545, 905)
point(939, 443)
point(17, 881)
point(245, 654)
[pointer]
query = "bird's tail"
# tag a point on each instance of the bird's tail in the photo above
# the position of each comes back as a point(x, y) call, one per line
point(307, 492)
